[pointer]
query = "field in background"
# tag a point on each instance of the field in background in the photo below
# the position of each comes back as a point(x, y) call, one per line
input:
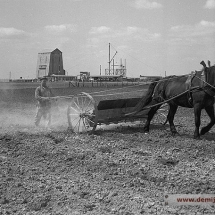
point(25, 93)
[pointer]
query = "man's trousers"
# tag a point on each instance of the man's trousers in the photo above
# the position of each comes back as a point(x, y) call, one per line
point(44, 112)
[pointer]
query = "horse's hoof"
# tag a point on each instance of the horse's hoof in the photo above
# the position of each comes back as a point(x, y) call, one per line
point(202, 132)
point(175, 134)
point(197, 138)
point(145, 130)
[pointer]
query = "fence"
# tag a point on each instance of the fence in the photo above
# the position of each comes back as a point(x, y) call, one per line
point(5, 80)
point(102, 83)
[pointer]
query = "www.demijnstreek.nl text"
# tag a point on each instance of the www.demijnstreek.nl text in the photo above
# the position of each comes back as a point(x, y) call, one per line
point(189, 199)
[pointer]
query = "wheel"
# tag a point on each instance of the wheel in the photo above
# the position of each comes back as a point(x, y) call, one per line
point(82, 113)
point(161, 116)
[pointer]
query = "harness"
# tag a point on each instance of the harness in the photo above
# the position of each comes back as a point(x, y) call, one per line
point(188, 84)
point(158, 95)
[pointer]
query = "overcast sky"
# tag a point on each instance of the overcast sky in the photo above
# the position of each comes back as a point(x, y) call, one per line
point(153, 36)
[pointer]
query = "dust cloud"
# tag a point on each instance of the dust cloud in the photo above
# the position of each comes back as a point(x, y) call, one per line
point(17, 116)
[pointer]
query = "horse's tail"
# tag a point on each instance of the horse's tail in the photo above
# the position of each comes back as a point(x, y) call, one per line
point(145, 100)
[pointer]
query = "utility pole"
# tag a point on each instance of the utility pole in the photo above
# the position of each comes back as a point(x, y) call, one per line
point(113, 66)
point(109, 59)
point(100, 69)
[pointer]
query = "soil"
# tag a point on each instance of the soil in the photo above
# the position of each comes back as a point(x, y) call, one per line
point(117, 170)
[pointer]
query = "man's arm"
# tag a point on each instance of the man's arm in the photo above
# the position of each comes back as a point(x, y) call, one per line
point(37, 94)
point(38, 97)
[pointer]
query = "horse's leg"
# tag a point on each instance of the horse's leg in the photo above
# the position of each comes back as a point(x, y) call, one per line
point(151, 113)
point(210, 112)
point(197, 113)
point(172, 110)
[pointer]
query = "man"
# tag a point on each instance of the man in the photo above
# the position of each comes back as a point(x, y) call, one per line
point(42, 95)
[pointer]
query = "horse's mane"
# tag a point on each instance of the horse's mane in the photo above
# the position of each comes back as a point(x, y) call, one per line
point(167, 78)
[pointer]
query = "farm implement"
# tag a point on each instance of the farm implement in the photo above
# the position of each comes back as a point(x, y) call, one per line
point(85, 113)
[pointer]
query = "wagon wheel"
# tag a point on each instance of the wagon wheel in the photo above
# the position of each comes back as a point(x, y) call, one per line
point(161, 116)
point(82, 113)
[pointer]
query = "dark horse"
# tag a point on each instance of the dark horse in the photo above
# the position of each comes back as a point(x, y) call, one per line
point(185, 91)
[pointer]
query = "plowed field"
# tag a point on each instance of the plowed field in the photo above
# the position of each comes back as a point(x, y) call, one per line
point(118, 170)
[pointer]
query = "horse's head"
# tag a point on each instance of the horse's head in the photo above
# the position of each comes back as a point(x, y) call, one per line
point(209, 73)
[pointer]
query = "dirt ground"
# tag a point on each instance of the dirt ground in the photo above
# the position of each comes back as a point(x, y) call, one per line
point(119, 170)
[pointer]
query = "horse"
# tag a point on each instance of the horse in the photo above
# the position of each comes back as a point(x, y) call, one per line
point(185, 91)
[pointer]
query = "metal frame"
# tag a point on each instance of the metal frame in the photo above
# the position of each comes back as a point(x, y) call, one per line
point(82, 113)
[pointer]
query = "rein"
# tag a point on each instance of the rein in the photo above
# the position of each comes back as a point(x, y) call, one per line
point(206, 82)
point(165, 101)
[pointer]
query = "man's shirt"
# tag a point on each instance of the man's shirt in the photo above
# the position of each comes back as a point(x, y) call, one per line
point(42, 94)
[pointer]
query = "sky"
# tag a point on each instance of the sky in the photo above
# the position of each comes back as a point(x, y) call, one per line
point(153, 36)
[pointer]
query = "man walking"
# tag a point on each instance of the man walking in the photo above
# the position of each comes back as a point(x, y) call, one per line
point(42, 95)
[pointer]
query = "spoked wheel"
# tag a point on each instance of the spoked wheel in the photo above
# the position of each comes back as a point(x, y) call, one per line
point(82, 113)
point(161, 116)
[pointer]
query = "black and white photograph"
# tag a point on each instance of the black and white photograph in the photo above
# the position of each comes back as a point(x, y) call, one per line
point(107, 107)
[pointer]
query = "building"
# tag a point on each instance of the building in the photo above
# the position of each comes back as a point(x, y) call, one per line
point(50, 63)
point(84, 76)
point(106, 78)
point(117, 70)
point(62, 78)
point(149, 78)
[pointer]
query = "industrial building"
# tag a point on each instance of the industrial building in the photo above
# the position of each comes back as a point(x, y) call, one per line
point(50, 63)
